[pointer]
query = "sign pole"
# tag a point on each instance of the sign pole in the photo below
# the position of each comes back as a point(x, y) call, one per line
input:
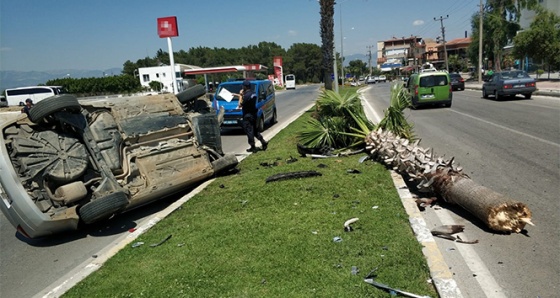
point(172, 62)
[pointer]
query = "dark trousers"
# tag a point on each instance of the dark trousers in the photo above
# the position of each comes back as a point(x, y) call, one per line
point(250, 127)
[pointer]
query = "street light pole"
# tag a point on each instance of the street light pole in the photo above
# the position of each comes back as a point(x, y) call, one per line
point(341, 46)
point(480, 45)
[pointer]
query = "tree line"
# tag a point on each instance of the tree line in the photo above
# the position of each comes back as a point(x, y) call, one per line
point(500, 19)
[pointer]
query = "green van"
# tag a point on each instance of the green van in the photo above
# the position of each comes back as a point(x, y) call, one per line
point(430, 88)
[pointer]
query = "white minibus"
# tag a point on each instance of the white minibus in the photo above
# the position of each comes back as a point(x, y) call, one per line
point(290, 81)
point(17, 96)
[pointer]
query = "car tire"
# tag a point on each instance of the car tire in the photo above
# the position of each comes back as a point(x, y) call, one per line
point(225, 163)
point(484, 94)
point(497, 96)
point(274, 117)
point(260, 124)
point(53, 104)
point(527, 96)
point(191, 93)
point(103, 208)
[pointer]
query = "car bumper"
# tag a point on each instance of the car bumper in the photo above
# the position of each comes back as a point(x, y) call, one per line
point(515, 91)
point(19, 208)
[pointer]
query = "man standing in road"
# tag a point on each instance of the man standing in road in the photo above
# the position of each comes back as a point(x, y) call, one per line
point(248, 102)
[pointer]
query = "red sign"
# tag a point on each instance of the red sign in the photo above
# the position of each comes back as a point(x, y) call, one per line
point(278, 71)
point(167, 27)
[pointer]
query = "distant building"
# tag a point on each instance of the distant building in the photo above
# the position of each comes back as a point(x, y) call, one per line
point(527, 16)
point(162, 74)
point(394, 53)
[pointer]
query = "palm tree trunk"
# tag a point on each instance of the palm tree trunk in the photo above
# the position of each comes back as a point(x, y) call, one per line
point(434, 174)
point(327, 39)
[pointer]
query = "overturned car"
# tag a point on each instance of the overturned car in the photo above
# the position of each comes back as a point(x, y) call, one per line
point(71, 163)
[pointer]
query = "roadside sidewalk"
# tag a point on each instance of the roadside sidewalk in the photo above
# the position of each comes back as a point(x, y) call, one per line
point(545, 88)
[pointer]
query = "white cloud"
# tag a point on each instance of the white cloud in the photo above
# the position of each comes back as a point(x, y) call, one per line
point(292, 33)
point(418, 23)
point(5, 49)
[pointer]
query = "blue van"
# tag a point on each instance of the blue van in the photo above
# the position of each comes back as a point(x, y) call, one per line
point(266, 103)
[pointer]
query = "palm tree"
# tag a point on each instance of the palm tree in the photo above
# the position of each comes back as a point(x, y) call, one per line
point(392, 144)
point(327, 39)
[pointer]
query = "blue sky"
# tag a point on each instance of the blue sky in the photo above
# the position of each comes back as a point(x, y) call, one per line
point(43, 35)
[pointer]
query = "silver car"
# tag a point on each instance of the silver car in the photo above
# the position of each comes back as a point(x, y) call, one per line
point(71, 163)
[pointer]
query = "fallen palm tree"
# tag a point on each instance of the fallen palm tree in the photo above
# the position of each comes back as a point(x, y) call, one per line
point(438, 175)
point(443, 177)
point(392, 143)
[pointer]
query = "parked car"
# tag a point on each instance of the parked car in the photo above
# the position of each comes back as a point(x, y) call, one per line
point(371, 80)
point(71, 163)
point(266, 103)
point(509, 83)
point(430, 88)
point(382, 78)
point(457, 81)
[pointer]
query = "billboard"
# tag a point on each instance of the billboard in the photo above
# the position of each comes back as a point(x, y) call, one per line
point(167, 27)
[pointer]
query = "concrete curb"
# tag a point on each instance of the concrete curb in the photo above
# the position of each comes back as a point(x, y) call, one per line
point(439, 270)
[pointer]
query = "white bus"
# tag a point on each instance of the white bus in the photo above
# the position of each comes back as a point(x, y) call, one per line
point(290, 81)
point(17, 96)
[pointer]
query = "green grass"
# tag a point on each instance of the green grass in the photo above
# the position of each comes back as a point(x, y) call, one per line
point(243, 237)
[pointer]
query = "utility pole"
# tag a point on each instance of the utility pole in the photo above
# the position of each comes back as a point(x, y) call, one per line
point(480, 44)
point(341, 46)
point(443, 37)
point(369, 59)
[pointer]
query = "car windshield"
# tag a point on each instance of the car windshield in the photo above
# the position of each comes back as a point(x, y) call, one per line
point(514, 75)
point(233, 88)
point(431, 81)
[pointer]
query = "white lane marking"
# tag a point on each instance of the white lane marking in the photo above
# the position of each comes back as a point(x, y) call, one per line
point(483, 276)
point(507, 128)
point(372, 111)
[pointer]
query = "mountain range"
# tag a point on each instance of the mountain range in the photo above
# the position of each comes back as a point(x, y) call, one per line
point(13, 79)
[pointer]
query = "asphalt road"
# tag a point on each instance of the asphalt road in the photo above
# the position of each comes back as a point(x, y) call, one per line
point(31, 267)
point(512, 147)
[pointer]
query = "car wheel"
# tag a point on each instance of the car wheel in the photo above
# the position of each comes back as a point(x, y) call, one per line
point(225, 163)
point(191, 93)
point(527, 96)
point(274, 118)
point(260, 124)
point(484, 94)
point(103, 208)
point(53, 104)
point(496, 95)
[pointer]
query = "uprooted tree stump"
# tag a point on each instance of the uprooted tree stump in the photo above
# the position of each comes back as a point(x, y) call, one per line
point(499, 212)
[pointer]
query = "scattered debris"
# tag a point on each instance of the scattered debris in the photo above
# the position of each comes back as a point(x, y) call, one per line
point(447, 231)
point(161, 242)
point(292, 175)
point(291, 160)
point(337, 239)
point(314, 232)
point(347, 224)
point(322, 165)
point(222, 186)
point(375, 207)
point(336, 196)
point(363, 159)
point(355, 270)
point(353, 171)
point(268, 164)
point(390, 290)
point(137, 244)
point(131, 230)
point(181, 244)
point(425, 202)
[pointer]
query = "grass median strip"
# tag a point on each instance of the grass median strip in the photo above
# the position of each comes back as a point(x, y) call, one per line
point(243, 237)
